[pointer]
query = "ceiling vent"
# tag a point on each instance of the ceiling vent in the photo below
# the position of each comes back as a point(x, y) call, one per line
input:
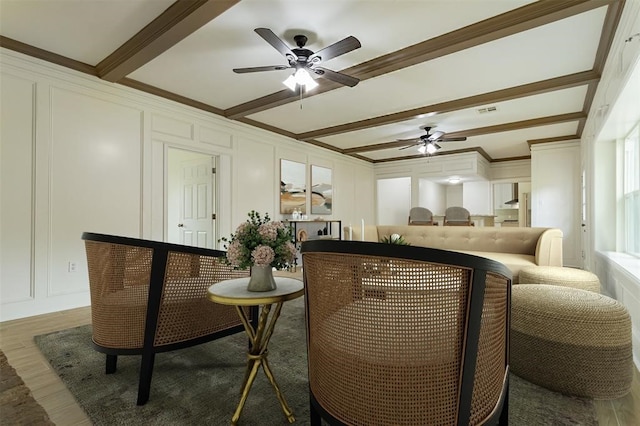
point(487, 109)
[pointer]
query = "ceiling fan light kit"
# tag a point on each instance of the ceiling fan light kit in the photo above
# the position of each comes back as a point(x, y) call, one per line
point(301, 78)
point(428, 148)
point(305, 62)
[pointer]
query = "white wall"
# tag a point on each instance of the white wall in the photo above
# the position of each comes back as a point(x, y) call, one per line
point(615, 109)
point(78, 157)
point(428, 179)
point(394, 201)
point(476, 197)
point(454, 196)
point(16, 166)
point(432, 195)
point(79, 154)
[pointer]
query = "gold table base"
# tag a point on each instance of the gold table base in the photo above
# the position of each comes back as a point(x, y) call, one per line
point(257, 356)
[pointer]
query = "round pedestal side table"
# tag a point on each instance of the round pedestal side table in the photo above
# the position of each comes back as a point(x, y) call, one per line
point(234, 292)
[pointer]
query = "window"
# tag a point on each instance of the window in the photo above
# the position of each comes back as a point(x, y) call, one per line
point(631, 191)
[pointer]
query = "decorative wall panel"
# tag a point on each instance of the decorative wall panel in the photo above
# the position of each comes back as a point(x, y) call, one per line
point(17, 139)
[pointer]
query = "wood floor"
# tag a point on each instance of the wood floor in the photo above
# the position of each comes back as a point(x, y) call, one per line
point(16, 341)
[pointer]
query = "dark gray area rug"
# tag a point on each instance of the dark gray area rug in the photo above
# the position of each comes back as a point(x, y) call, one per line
point(201, 385)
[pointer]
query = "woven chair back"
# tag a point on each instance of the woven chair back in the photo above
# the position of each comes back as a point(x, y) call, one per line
point(402, 335)
point(150, 296)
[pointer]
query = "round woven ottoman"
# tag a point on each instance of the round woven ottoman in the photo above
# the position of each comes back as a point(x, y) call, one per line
point(558, 275)
point(570, 340)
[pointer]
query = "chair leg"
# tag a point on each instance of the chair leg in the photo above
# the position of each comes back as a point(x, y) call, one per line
point(314, 416)
point(146, 370)
point(111, 364)
point(504, 415)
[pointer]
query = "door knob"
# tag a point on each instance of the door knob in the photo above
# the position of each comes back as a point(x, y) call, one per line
point(180, 225)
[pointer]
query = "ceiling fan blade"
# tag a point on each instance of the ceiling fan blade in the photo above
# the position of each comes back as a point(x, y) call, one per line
point(276, 42)
point(337, 77)
point(409, 140)
point(460, 139)
point(435, 136)
point(336, 49)
point(258, 69)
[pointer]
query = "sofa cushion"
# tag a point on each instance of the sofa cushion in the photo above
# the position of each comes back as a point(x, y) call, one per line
point(515, 262)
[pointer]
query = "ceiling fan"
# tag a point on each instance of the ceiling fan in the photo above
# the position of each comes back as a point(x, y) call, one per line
point(305, 62)
point(427, 143)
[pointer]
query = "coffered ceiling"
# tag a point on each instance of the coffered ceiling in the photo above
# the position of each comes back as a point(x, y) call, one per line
point(503, 74)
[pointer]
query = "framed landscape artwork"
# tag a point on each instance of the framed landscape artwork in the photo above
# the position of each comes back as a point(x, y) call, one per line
point(293, 187)
point(321, 190)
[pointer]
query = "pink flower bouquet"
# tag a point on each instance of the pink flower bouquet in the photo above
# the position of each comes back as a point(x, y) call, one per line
point(260, 242)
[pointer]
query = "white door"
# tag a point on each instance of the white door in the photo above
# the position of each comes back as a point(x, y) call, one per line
point(196, 202)
point(556, 194)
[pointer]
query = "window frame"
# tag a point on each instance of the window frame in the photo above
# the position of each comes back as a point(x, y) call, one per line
point(631, 192)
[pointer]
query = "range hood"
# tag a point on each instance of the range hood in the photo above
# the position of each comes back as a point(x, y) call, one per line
point(514, 195)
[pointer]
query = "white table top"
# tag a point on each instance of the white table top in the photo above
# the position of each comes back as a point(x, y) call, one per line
point(234, 292)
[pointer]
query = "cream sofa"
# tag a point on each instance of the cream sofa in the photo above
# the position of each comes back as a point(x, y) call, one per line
point(516, 248)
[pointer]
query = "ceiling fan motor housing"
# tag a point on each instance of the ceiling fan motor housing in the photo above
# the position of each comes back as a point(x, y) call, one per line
point(302, 54)
point(300, 40)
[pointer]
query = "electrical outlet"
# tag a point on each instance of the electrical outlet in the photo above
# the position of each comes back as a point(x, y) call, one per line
point(73, 267)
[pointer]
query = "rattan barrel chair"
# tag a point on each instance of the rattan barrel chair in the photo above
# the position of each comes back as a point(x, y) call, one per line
point(149, 297)
point(402, 335)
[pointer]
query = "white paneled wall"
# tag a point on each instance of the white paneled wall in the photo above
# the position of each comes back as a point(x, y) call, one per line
point(618, 275)
point(614, 111)
point(258, 184)
point(17, 188)
point(95, 157)
point(79, 154)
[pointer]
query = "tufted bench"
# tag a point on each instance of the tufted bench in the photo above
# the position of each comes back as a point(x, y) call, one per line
point(571, 340)
point(557, 275)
